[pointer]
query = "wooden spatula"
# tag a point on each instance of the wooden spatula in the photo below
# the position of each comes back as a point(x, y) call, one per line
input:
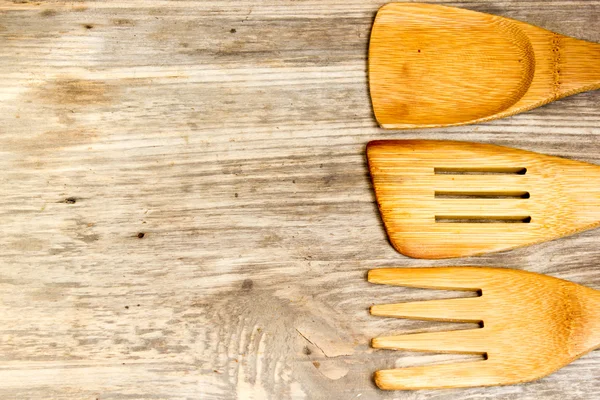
point(442, 199)
point(532, 325)
point(433, 65)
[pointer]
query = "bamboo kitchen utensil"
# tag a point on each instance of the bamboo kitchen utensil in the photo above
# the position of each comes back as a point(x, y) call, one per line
point(532, 325)
point(432, 65)
point(442, 199)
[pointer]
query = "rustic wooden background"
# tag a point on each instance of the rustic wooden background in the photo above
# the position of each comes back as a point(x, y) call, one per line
point(186, 212)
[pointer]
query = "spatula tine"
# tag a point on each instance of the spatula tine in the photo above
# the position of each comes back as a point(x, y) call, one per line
point(461, 341)
point(469, 309)
point(464, 374)
point(451, 278)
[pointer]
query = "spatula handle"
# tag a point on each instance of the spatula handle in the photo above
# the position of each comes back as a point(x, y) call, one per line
point(577, 65)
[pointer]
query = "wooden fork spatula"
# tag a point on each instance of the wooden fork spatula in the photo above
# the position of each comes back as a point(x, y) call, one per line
point(442, 199)
point(532, 325)
point(432, 65)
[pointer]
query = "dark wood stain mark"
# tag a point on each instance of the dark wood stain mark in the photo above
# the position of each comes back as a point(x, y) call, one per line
point(75, 92)
point(62, 138)
point(248, 284)
point(52, 140)
point(88, 26)
point(48, 13)
point(88, 238)
point(123, 22)
point(270, 240)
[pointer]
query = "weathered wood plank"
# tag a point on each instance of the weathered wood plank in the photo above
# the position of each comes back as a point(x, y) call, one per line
point(232, 135)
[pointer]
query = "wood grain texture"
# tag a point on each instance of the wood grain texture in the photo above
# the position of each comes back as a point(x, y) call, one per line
point(232, 135)
point(484, 197)
point(531, 325)
point(432, 65)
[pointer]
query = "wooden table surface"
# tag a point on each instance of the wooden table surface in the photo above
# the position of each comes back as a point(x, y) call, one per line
point(186, 211)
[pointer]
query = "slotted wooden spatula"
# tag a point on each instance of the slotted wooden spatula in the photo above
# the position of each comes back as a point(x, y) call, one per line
point(532, 325)
point(442, 199)
point(432, 65)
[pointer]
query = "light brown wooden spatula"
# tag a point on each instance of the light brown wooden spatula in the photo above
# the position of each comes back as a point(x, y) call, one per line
point(433, 65)
point(442, 199)
point(532, 325)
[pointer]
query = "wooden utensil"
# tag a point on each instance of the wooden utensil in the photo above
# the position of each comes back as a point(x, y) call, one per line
point(532, 325)
point(442, 199)
point(433, 65)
